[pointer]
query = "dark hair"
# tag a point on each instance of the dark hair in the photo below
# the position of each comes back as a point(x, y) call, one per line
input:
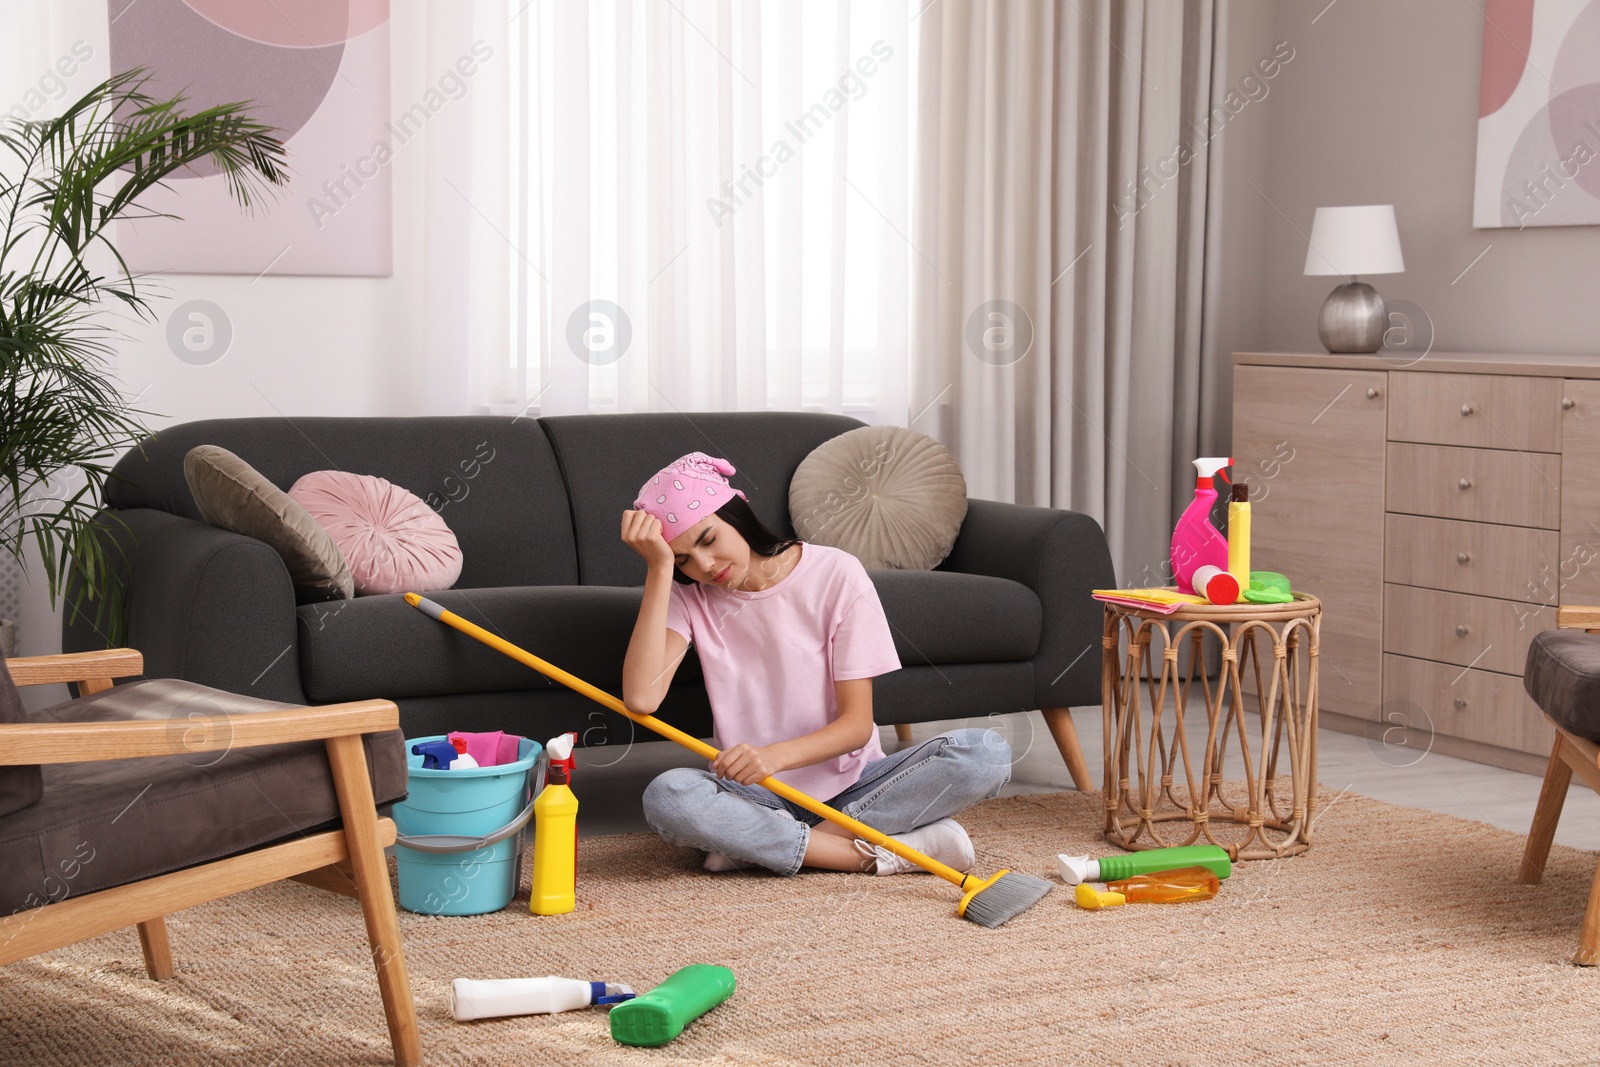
point(762, 541)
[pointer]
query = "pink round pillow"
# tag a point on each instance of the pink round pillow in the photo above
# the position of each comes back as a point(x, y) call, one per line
point(393, 542)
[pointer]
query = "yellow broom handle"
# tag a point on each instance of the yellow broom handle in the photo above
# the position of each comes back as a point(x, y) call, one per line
point(672, 733)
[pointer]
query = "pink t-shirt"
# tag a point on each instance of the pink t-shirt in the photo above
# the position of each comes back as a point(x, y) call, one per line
point(770, 658)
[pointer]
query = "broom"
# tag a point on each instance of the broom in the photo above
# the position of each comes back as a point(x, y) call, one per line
point(986, 901)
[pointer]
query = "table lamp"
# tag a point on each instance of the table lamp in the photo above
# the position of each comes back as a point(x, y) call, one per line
point(1349, 241)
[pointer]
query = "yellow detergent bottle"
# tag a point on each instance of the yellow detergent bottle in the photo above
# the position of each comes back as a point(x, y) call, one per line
point(1239, 537)
point(555, 841)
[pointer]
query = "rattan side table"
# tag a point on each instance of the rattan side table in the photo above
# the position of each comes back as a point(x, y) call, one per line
point(1258, 799)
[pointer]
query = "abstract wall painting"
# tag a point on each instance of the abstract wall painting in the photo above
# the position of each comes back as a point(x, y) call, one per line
point(318, 71)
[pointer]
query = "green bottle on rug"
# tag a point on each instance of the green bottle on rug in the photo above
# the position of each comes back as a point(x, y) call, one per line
point(661, 1014)
point(1075, 870)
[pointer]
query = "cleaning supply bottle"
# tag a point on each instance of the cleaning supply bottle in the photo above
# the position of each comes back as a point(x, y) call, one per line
point(555, 835)
point(498, 997)
point(463, 760)
point(560, 750)
point(1239, 536)
point(1166, 887)
point(1196, 542)
point(1077, 869)
point(661, 1014)
point(1217, 586)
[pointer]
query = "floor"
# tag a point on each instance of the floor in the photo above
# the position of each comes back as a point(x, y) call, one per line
point(609, 781)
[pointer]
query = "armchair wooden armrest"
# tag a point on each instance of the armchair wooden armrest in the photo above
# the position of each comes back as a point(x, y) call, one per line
point(93, 670)
point(84, 742)
point(1575, 617)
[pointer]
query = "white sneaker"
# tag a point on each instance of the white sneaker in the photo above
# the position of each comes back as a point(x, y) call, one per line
point(717, 862)
point(945, 840)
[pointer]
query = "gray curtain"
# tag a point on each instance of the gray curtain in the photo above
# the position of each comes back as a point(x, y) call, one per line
point(1059, 347)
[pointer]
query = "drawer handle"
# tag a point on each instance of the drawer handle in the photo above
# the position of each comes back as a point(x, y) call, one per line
point(1466, 409)
point(1462, 630)
point(1567, 403)
point(1463, 557)
point(1461, 702)
point(1465, 483)
point(1372, 394)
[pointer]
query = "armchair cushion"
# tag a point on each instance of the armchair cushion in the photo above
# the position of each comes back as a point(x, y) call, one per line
point(1562, 676)
point(111, 822)
point(20, 787)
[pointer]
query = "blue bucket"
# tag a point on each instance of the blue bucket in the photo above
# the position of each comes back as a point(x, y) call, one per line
point(459, 848)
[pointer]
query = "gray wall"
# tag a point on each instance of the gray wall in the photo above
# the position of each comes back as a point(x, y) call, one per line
point(1380, 106)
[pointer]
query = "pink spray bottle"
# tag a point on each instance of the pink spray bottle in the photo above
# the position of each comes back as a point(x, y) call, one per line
point(1196, 542)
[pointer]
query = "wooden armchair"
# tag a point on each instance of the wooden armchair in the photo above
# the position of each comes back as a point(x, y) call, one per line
point(348, 859)
point(1571, 755)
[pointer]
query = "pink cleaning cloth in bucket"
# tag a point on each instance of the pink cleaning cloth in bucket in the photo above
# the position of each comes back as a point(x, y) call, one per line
point(490, 749)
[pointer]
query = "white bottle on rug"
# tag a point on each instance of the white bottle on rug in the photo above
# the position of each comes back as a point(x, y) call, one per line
point(494, 998)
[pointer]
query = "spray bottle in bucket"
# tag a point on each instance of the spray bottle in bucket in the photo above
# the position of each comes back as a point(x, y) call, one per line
point(1196, 542)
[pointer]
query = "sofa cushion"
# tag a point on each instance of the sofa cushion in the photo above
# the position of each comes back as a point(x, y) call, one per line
point(111, 822)
point(494, 480)
point(891, 497)
point(393, 542)
point(232, 495)
point(382, 647)
point(1562, 675)
point(944, 617)
point(605, 458)
point(20, 787)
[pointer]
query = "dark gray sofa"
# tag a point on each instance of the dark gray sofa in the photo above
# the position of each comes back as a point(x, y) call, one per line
point(1006, 623)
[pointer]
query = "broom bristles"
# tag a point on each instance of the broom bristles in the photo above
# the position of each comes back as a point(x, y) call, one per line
point(1010, 896)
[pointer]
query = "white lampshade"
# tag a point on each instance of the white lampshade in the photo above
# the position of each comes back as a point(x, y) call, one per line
point(1355, 240)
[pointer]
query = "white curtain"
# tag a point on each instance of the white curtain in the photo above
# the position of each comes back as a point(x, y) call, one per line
point(721, 187)
point(1061, 216)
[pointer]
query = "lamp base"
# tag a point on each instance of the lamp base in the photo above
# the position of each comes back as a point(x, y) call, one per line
point(1353, 319)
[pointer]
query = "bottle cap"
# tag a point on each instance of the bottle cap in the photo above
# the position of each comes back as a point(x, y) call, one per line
point(1076, 870)
point(459, 743)
point(556, 775)
point(609, 993)
point(1094, 899)
point(1216, 585)
point(1241, 494)
point(559, 747)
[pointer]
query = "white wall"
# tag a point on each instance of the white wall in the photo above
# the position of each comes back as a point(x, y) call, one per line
point(1382, 108)
point(301, 345)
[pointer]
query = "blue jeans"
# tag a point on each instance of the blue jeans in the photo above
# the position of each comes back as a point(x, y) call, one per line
point(751, 825)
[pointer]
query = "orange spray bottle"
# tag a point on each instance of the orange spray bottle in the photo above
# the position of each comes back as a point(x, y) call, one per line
point(1166, 887)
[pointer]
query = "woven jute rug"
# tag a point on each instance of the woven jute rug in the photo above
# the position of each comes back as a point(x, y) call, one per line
point(1400, 937)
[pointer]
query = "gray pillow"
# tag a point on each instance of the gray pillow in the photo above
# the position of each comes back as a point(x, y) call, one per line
point(20, 787)
point(892, 497)
point(233, 495)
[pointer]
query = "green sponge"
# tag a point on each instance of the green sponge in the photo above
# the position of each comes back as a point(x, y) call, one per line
point(1268, 587)
point(661, 1014)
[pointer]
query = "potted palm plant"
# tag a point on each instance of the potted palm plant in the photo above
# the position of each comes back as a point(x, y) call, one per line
point(63, 419)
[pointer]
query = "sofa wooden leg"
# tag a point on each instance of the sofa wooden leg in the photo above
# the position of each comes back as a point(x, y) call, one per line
point(902, 731)
point(348, 760)
point(1552, 795)
point(157, 949)
point(1066, 736)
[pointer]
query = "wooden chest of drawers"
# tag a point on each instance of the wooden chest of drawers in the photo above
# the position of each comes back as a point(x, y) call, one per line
point(1441, 510)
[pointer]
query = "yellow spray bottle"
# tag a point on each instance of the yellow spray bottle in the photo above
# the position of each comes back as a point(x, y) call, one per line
point(555, 842)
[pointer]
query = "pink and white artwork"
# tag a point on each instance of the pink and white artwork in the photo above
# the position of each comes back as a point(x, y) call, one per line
point(318, 71)
point(1539, 115)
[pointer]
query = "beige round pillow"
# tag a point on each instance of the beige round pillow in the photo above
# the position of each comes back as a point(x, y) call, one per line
point(892, 497)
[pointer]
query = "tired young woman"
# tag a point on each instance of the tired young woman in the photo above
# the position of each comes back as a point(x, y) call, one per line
point(789, 636)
